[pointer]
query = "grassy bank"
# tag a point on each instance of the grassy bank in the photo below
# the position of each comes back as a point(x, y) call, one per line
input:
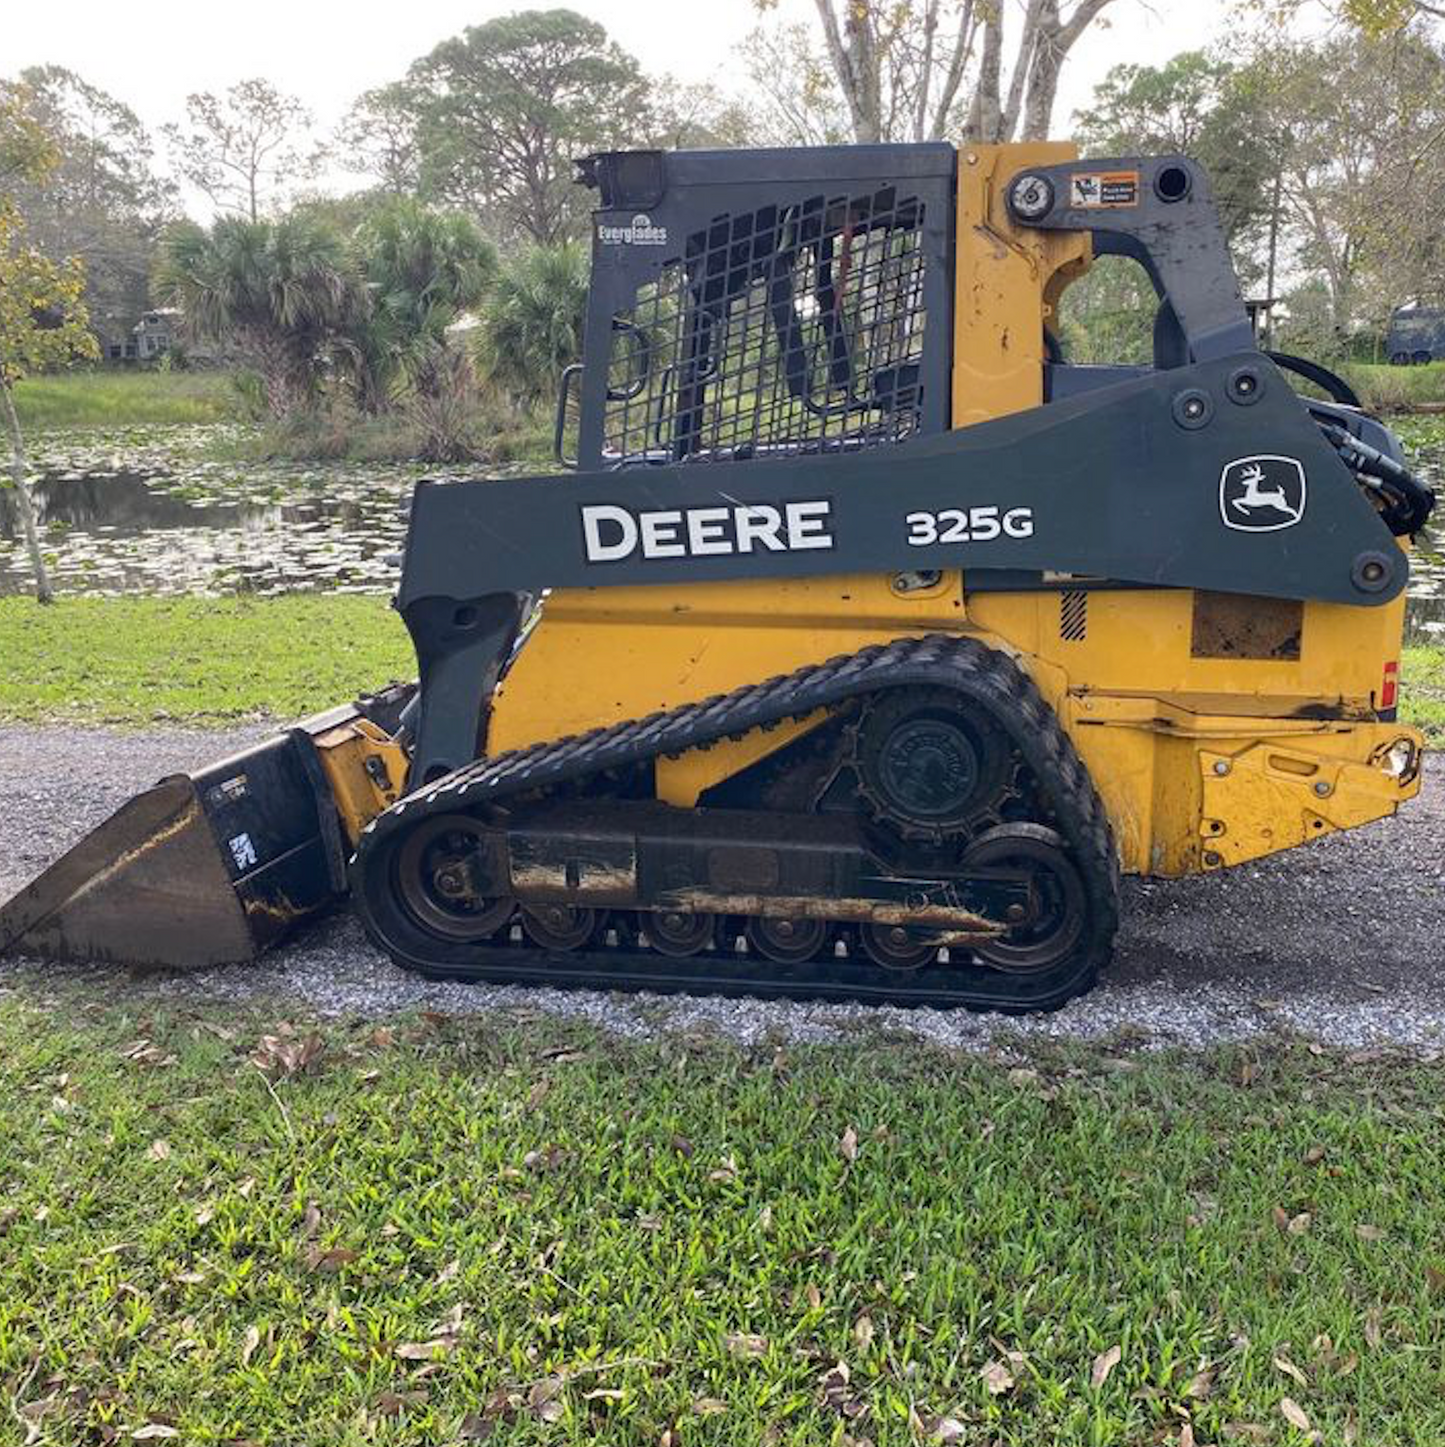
point(448, 1230)
point(194, 660)
point(1422, 698)
point(1383, 388)
point(125, 398)
point(342, 436)
point(200, 660)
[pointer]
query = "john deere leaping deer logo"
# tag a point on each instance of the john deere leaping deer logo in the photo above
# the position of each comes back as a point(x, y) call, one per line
point(1262, 494)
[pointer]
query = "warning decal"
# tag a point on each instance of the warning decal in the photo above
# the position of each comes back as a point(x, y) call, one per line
point(1096, 190)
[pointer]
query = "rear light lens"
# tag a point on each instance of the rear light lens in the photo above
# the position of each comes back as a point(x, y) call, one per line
point(1390, 686)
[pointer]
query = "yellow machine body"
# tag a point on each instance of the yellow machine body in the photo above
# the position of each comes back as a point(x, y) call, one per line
point(1216, 728)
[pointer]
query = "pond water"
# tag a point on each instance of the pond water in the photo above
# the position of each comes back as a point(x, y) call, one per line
point(146, 510)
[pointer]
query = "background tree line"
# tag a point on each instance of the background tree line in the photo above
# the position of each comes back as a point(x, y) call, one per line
point(446, 289)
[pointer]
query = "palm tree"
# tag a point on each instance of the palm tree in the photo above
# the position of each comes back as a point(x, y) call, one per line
point(280, 293)
point(425, 270)
point(532, 323)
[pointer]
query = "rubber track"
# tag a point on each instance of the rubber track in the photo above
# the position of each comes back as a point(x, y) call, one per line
point(964, 665)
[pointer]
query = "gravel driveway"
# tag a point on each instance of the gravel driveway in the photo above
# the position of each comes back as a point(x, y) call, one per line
point(1342, 941)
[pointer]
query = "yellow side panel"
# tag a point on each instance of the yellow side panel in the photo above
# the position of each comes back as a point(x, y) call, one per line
point(602, 656)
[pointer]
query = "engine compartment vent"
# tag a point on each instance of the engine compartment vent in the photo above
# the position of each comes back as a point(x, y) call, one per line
point(1073, 615)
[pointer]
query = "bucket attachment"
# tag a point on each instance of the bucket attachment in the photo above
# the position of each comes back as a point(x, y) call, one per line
point(212, 868)
point(203, 869)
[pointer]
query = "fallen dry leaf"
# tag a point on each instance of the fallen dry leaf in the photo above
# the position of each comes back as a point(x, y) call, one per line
point(683, 1146)
point(249, 1343)
point(813, 1296)
point(1283, 1364)
point(1298, 1225)
point(997, 1378)
point(424, 1351)
point(1366, 1232)
point(1201, 1384)
point(330, 1261)
point(1434, 1277)
point(1186, 1436)
point(1373, 1335)
point(604, 1394)
point(863, 1332)
point(1105, 1363)
point(449, 1272)
point(1294, 1414)
point(282, 1054)
point(709, 1407)
point(948, 1429)
point(1314, 1155)
point(745, 1344)
point(205, 1215)
point(392, 1404)
point(154, 1431)
point(848, 1145)
point(544, 1399)
point(160, 1150)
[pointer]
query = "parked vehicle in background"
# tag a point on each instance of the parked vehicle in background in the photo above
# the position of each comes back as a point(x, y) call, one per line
point(1416, 335)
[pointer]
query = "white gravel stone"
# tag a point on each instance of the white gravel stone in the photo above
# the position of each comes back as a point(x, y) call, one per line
point(1342, 942)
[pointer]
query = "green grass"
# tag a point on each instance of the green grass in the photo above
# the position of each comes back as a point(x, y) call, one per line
point(604, 1242)
point(197, 660)
point(124, 398)
point(1383, 388)
point(341, 435)
point(1422, 693)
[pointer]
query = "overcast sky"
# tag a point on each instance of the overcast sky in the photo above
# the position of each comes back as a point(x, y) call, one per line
point(154, 53)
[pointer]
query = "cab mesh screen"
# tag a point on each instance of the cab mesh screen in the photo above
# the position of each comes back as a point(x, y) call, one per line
point(782, 330)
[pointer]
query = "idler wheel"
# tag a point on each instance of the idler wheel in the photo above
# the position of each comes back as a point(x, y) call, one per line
point(672, 932)
point(437, 880)
point(559, 926)
point(896, 947)
point(1058, 911)
point(787, 941)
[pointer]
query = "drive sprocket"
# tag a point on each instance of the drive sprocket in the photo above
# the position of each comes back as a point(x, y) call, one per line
point(929, 766)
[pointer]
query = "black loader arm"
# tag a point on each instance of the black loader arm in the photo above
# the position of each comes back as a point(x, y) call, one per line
point(1132, 482)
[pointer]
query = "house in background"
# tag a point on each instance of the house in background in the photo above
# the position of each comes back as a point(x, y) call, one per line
point(151, 338)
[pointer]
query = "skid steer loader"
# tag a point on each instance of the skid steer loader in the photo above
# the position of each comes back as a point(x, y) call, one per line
point(871, 638)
